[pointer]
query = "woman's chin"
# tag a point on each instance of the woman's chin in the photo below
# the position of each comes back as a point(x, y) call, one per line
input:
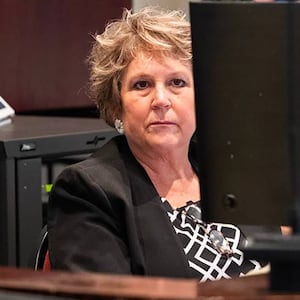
point(165, 142)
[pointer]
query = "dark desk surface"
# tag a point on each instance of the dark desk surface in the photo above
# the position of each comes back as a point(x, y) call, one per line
point(23, 126)
point(102, 286)
point(51, 135)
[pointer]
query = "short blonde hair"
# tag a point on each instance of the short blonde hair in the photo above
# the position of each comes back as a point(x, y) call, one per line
point(151, 30)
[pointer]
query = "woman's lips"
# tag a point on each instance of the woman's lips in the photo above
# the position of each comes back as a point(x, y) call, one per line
point(162, 123)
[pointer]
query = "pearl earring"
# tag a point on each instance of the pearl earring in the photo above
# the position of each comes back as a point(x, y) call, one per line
point(119, 126)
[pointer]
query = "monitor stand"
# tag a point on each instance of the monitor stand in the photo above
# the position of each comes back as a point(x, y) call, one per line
point(283, 254)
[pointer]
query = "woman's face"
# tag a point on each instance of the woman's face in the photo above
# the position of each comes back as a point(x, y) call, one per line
point(157, 98)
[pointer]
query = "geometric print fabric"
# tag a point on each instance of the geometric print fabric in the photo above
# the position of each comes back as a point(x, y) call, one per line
point(204, 260)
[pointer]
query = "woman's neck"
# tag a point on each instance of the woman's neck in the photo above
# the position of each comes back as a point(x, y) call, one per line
point(172, 175)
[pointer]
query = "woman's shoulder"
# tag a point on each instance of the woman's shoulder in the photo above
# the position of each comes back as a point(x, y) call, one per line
point(106, 158)
point(102, 171)
point(105, 167)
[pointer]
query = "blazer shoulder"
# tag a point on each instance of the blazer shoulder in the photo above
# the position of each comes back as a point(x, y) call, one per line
point(104, 171)
point(106, 157)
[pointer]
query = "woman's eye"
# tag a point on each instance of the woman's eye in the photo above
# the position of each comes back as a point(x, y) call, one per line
point(141, 85)
point(178, 82)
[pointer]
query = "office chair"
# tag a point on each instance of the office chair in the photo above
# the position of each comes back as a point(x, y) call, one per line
point(41, 259)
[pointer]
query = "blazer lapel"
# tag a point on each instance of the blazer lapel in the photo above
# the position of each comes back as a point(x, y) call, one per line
point(162, 249)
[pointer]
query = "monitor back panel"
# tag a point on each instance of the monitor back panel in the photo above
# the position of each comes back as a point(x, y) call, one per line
point(246, 70)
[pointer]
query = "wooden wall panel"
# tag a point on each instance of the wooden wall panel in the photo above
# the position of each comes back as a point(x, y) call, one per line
point(43, 47)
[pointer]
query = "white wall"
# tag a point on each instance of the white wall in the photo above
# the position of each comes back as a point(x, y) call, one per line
point(169, 4)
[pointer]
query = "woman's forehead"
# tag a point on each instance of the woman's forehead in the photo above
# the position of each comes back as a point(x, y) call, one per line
point(147, 57)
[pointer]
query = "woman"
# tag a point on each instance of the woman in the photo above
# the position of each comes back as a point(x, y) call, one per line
point(133, 207)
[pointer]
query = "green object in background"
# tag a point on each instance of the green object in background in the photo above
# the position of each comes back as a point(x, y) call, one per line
point(47, 187)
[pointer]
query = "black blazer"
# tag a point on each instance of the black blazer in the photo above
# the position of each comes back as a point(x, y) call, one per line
point(106, 216)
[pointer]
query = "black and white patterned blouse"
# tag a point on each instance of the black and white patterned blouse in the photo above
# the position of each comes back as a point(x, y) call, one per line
point(204, 259)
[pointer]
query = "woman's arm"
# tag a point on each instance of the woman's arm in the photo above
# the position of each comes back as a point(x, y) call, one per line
point(86, 226)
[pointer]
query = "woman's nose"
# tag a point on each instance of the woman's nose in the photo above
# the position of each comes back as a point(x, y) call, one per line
point(161, 97)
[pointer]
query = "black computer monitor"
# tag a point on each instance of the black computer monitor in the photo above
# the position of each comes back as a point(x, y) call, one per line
point(246, 62)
